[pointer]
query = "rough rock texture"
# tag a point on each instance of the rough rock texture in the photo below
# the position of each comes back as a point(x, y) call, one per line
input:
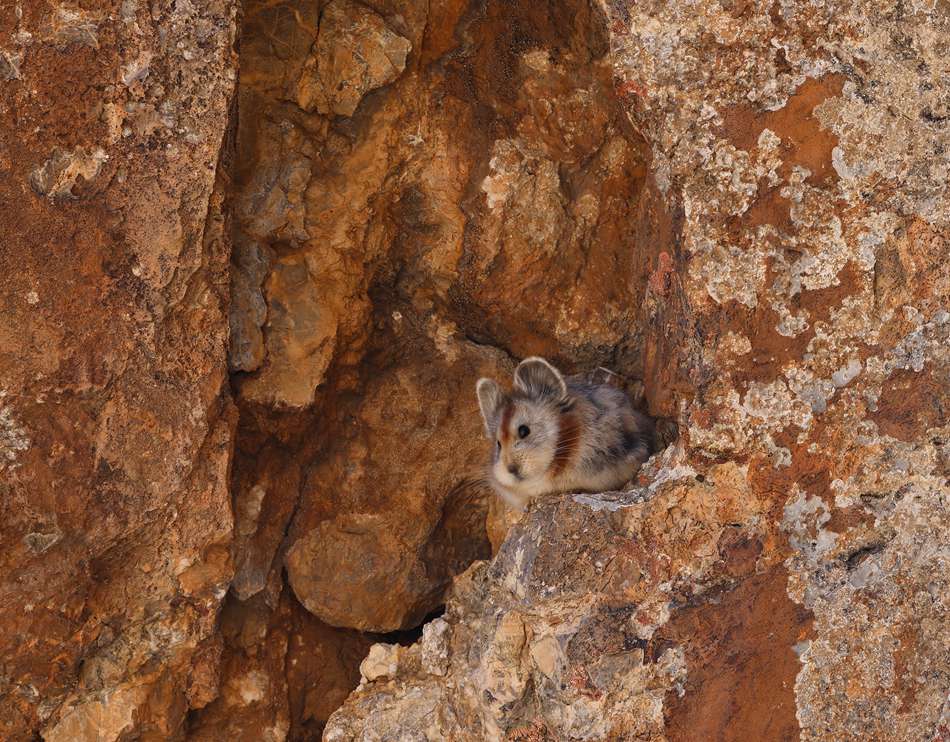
point(742, 204)
point(600, 644)
point(115, 419)
point(389, 283)
point(417, 202)
point(283, 674)
point(782, 573)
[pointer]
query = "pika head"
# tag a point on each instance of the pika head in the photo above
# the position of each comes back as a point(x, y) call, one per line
point(526, 426)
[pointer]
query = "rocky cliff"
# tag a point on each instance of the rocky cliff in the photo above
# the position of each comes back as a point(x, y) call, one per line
point(116, 427)
point(256, 257)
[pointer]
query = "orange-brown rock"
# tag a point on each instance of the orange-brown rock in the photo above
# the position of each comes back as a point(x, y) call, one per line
point(245, 316)
point(779, 573)
point(115, 416)
point(284, 672)
point(512, 212)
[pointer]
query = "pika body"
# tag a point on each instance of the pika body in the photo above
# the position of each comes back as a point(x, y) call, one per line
point(554, 434)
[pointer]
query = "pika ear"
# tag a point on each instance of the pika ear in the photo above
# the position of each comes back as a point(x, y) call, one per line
point(490, 400)
point(538, 378)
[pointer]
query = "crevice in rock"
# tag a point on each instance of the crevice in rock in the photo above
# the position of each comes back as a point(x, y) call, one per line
point(407, 637)
point(396, 236)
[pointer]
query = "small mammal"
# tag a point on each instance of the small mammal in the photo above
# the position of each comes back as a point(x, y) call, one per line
point(552, 434)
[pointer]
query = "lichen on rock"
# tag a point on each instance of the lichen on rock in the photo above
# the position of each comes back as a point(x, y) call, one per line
point(812, 383)
point(572, 647)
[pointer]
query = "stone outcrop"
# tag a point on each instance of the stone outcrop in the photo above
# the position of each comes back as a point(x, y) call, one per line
point(240, 454)
point(781, 573)
point(115, 418)
point(602, 643)
point(412, 194)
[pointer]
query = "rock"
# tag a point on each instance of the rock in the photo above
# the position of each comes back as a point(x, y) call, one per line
point(394, 537)
point(356, 274)
point(537, 641)
point(355, 53)
point(253, 699)
point(381, 662)
point(58, 176)
point(284, 672)
point(10, 65)
point(776, 574)
point(434, 654)
point(115, 419)
point(265, 493)
point(569, 200)
point(248, 309)
point(238, 434)
point(341, 572)
point(100, 719)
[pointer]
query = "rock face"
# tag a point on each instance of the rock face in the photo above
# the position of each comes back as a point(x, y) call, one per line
point(115, 418)
point(417, 202)
point(355, 53)
point(240, 448)
point(601, 644)
point(781, 573)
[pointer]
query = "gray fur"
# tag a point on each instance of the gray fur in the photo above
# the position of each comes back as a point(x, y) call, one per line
point(607, 438)
point(490, 401)
point(538, 379)
point(615, 431)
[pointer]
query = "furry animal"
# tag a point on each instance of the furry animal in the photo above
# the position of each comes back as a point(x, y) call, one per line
point(551, 434)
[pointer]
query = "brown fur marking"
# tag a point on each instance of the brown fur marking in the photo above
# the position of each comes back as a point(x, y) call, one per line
point(568, 441)
point(503, 432)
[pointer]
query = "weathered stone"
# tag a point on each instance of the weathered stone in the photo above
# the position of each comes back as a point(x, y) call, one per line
point(742, 205)
point(356, 271)
point(568, 645)
point(248, 311)
point(115, 418)
point(284, 671)
point(10, 65)
point(355, 53)
point(380, 558)
point(58, 176)
point(381, 662)
point(796, 324)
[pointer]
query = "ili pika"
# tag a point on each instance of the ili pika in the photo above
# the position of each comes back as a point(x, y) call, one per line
point(551, 434)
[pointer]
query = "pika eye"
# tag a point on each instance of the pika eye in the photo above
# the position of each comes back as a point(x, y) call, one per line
point(523, 431)
point(498, 445)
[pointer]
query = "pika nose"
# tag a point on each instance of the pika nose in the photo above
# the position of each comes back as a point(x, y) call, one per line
point(513, 469)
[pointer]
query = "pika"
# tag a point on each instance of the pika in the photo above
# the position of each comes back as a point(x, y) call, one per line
point(552, 434)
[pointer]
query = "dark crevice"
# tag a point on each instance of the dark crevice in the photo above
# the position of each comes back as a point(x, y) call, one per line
point(407, 637)
point(856, 557)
